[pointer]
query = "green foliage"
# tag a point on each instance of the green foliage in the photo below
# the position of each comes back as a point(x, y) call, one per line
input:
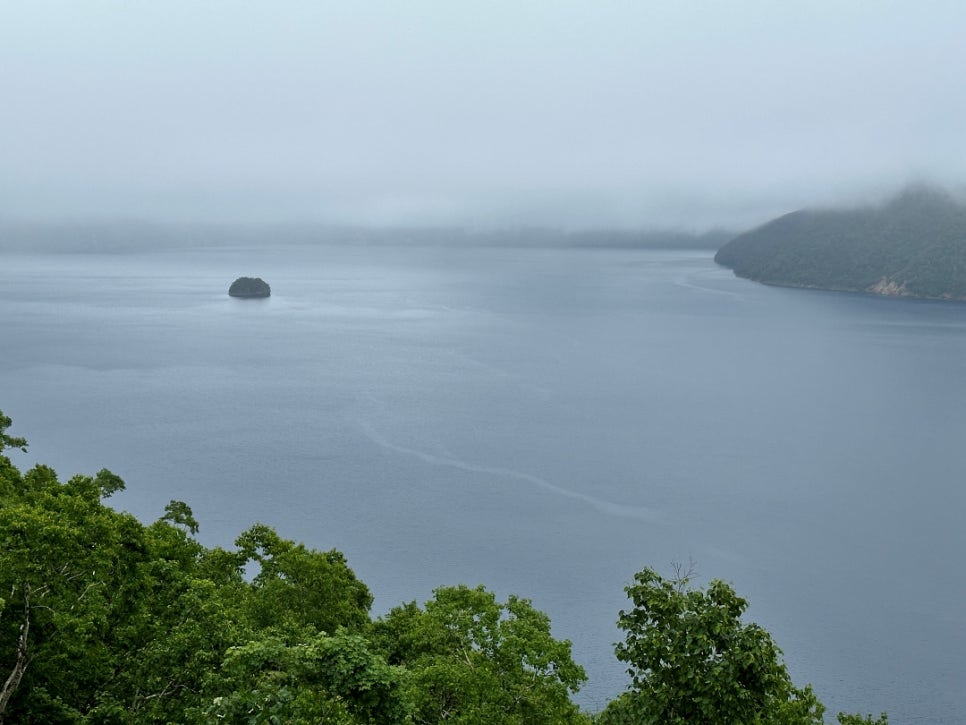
point(693, 661)
point(182, 619)
point(474, 660)
point(178, 513)
point(8, 441)
point(301, 586)
point(68, 563)
point(316, 678)
point(860, 720)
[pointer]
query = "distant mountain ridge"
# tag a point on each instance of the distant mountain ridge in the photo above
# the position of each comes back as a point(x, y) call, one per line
point(133, 236)
point(912, 246)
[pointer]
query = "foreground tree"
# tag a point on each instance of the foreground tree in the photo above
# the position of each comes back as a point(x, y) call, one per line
point(102, 618)
point(298, 586)
point(9, 441)
point(475, 660)
point(68, 566)
point(692, 661)
point(305, 679)
point(862, 719)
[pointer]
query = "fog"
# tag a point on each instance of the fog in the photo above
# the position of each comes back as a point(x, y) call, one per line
point(617, 114)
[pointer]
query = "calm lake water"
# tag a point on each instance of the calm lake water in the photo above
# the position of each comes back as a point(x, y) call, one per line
point(543, 422)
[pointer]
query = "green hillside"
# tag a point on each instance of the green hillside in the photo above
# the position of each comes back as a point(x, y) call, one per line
point(914, 245)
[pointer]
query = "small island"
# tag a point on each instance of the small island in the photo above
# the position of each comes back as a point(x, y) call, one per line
point(249, 287)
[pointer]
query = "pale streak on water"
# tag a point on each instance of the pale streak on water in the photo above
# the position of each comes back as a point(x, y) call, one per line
point(639, 513)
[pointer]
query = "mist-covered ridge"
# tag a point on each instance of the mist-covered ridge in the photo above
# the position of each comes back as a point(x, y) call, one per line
point(913, 245)
point(138, 236)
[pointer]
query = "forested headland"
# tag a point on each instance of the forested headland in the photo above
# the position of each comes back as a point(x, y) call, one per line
point(911, 246)
point(107, 619)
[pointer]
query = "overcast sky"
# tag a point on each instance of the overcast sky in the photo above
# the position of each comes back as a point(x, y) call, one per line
point(495, 113)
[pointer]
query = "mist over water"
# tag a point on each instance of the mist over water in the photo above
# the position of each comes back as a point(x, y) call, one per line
point(686, 114)
point(544, 422)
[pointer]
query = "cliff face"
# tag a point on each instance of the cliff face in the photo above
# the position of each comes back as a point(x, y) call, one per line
point(912, 246)
point(889, 288)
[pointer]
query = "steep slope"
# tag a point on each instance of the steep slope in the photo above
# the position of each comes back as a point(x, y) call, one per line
point(914, 245)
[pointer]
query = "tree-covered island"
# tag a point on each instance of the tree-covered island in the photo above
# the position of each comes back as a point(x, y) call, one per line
point(911, 246)
point(105, 619)
point(249, 287)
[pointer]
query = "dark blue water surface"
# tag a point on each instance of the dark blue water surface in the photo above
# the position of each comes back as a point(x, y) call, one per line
point(543, 422)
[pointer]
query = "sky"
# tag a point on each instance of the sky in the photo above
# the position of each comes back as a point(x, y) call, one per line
point(604, 113)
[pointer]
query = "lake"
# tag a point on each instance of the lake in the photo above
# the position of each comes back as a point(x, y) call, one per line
point(544, 422)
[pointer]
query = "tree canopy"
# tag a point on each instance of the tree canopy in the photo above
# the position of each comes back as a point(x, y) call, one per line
point(473, 659)
point(692, 660)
